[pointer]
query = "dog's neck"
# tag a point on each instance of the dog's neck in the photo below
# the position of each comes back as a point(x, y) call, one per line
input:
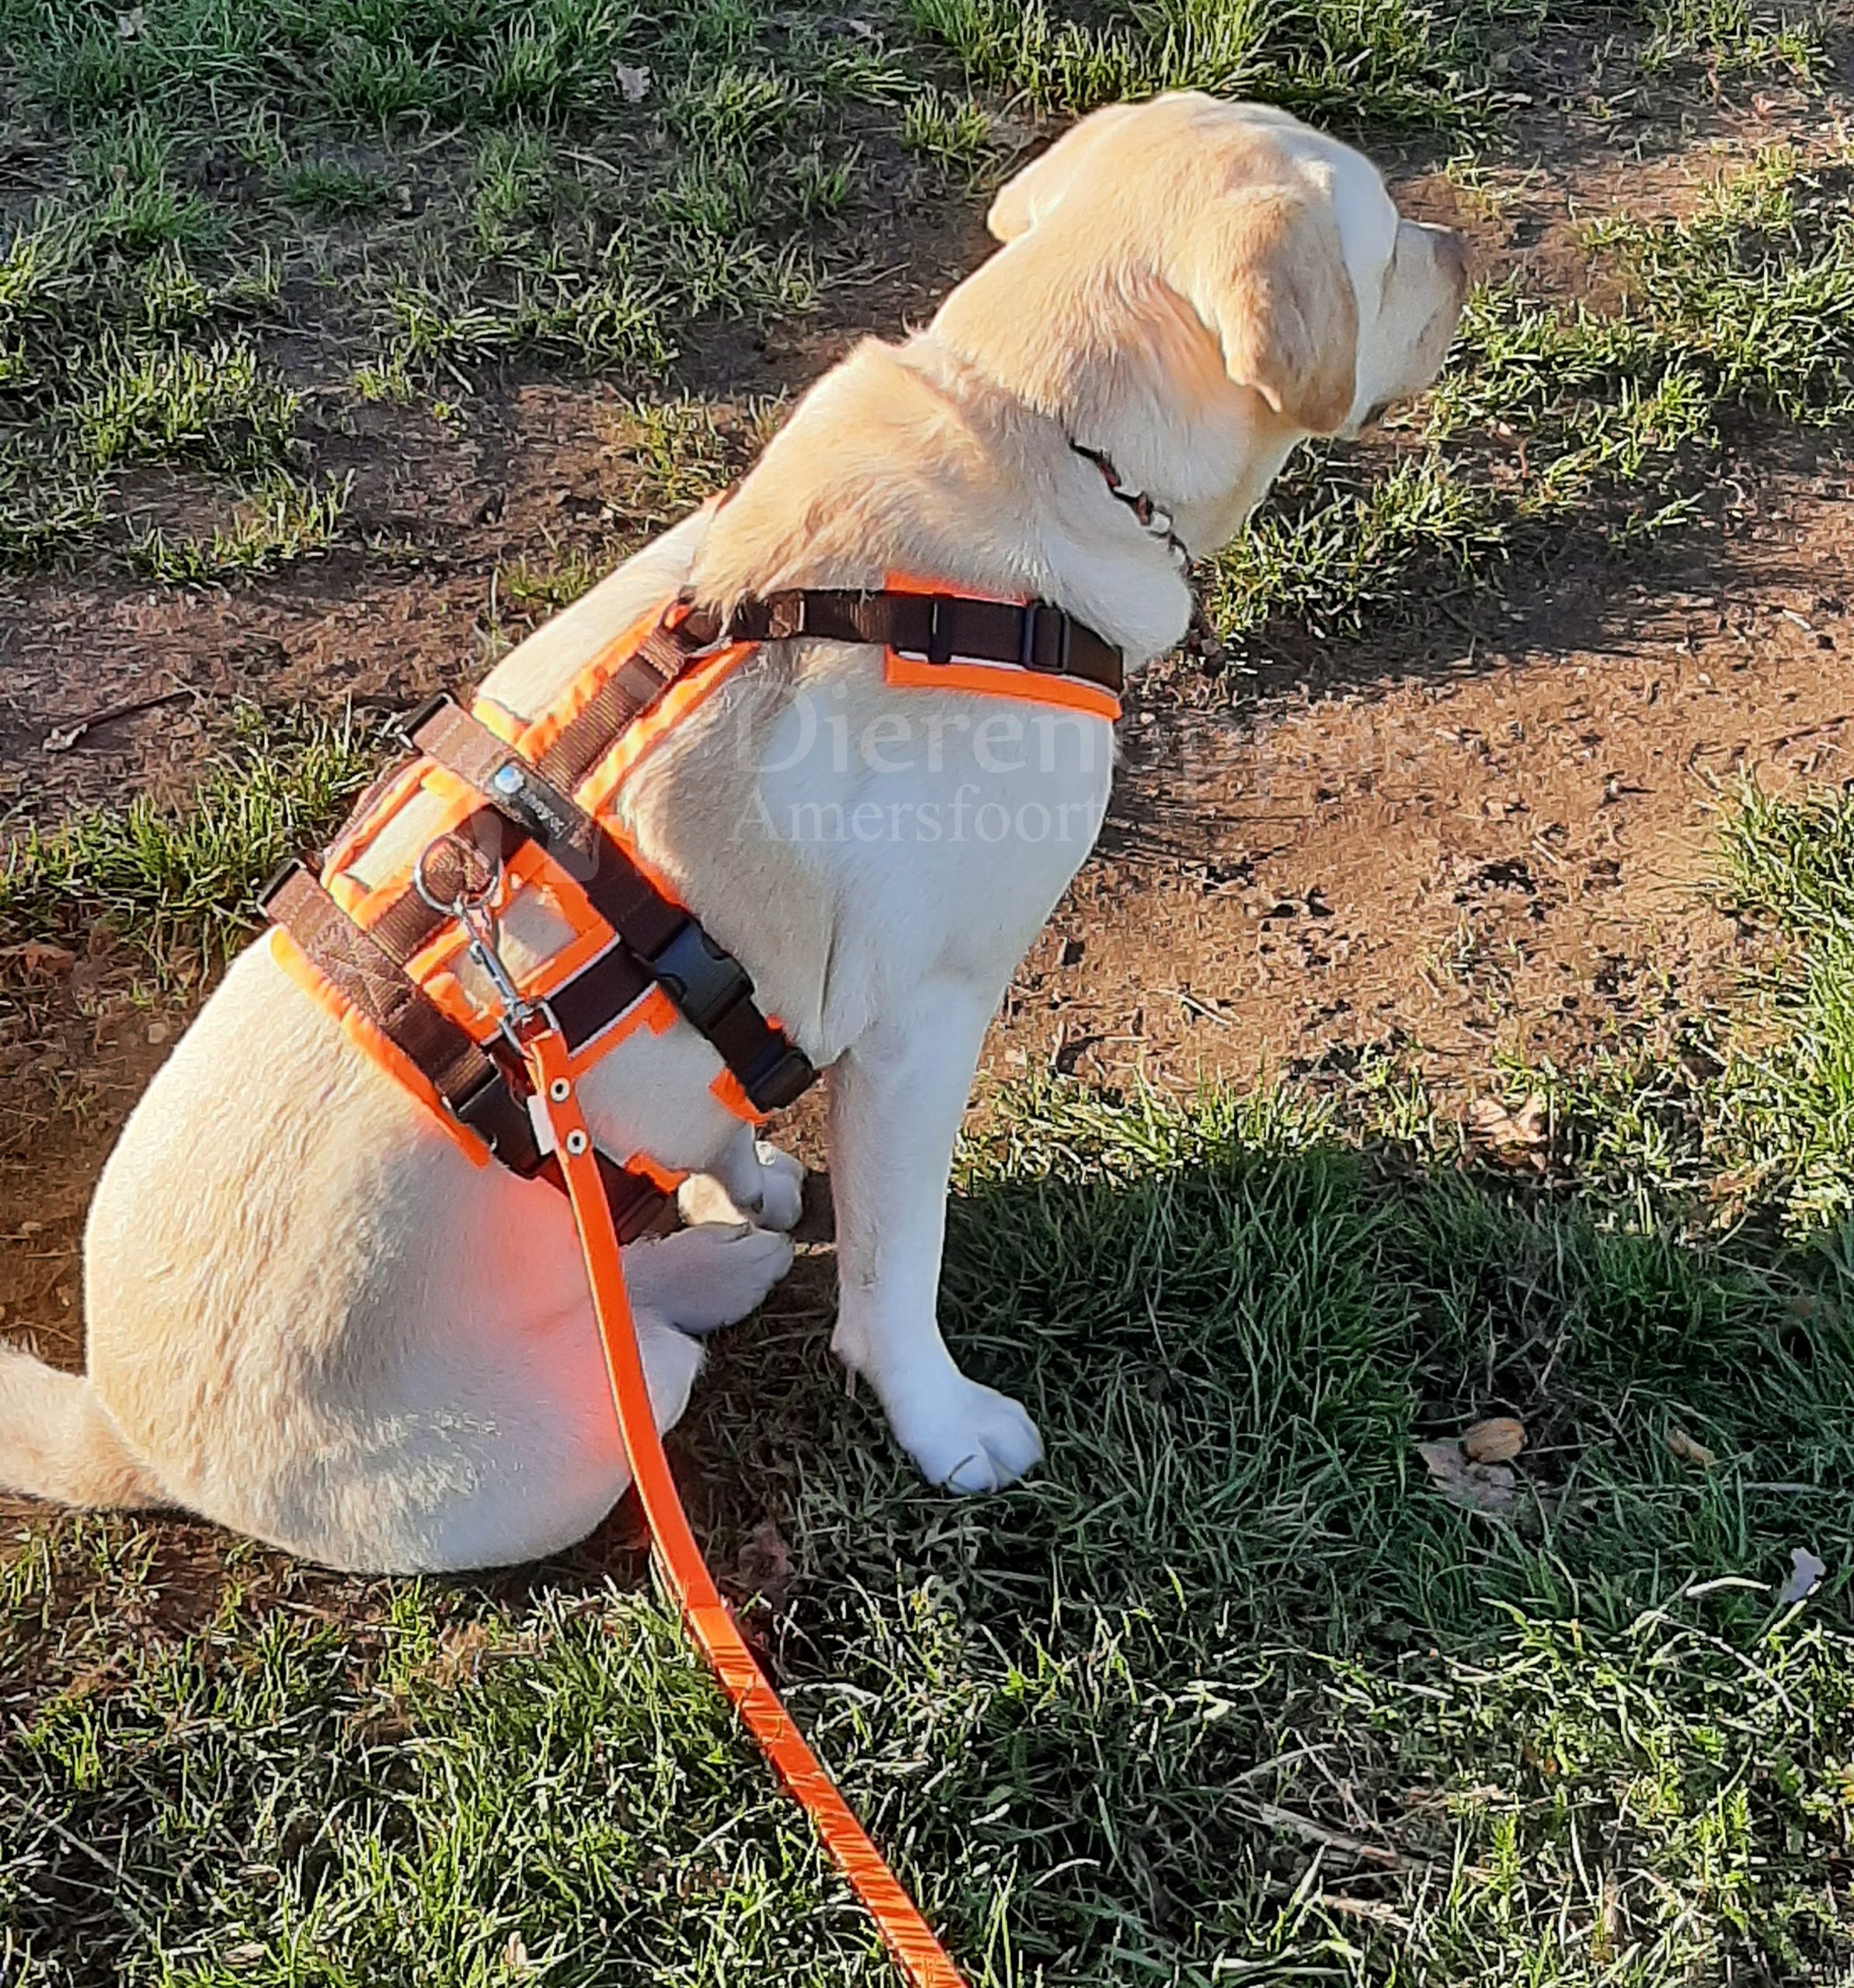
point(1152, 519)
point(911, 459)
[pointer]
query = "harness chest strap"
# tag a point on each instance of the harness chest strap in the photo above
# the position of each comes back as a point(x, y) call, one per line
point(709, 988)
point(656, 942)
point(485, 1093)
point(939, 627)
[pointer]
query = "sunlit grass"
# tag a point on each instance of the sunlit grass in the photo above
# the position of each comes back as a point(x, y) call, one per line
point(1553, 418)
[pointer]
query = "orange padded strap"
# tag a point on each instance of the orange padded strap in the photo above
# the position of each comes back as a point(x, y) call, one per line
point(910, 1940)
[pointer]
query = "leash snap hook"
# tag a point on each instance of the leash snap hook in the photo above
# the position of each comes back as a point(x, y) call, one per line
point(472, 905)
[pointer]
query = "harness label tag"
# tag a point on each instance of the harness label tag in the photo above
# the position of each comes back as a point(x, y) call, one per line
point(535, 804)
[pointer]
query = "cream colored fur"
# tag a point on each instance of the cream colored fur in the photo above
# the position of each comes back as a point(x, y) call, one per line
point(312, 1319)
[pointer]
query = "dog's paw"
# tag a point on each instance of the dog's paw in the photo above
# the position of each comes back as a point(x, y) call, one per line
point(712, 1275)
point(781, 1188)
point(765, 1186)
point(702, 1201)
point(970, 1438)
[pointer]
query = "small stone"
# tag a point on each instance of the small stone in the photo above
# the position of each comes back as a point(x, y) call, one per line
point(1498, 1439)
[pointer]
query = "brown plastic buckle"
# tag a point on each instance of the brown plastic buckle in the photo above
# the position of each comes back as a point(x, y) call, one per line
point(939, 637)
point(1034, 612)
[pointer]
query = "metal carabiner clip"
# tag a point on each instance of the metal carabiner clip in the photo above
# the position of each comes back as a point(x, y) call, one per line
point(473, 911)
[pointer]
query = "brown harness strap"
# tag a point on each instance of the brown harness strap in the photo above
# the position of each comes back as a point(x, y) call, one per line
point(709, 987)
point(367, 976)
point(655, 941)
point(487, 1095)
point(935, 626)
point(625, 695)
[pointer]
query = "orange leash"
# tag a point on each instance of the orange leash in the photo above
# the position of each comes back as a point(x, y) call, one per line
point(909, 1939)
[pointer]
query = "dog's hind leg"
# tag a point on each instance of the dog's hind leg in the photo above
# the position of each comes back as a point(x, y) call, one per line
point(56, 1439)
point(702, 1278)
point(752, 1181)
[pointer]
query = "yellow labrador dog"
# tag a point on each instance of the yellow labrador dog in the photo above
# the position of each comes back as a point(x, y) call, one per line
point(311, 1318)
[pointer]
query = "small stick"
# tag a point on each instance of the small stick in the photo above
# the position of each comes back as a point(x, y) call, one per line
point(64, 737)
point(1285, 1819)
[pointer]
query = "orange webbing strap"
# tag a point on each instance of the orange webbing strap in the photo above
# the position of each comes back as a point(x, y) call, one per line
point(909, 1939)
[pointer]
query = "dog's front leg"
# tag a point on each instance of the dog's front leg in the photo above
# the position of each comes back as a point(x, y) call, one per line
point(897, 1098)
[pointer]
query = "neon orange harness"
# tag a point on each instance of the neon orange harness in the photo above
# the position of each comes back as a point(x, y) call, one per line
point(399, 938)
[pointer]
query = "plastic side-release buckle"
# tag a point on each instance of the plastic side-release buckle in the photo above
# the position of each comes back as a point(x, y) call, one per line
point(703, 981)
point(783, 1081)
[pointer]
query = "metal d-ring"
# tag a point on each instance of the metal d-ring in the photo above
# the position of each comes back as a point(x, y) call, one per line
point(475, 916)
point(466, 902)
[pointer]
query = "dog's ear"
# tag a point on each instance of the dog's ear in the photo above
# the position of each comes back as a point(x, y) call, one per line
point(1036, 192)
point(1266, 270)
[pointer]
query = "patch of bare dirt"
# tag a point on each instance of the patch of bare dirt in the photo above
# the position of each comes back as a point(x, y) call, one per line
point(1509, 854)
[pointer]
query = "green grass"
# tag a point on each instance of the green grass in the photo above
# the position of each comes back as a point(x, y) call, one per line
point(1370, 65)
point(1228, 1691)
point(192, 878)
point(954, 134)
point(332, 187)
point(1383, 62)
point(278, 522)
point(1745, 1115)
point(1734, 37)
point(1132, 1723)
point(231, 232)
point(1554, 418)
point(238, 227)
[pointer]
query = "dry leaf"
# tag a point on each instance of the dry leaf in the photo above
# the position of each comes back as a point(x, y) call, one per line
point(129, 26)
point(462, 1647)
point(1476, 1487)
point(40, 956)
point(1805, 1572)
point(515, 1954)
point(1688, 1451)
point(765, 1564)
point(635, 83)
point(1499, 1127)
point(1498, 1439)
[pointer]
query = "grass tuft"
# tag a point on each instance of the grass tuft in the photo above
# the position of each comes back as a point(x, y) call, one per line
point(279, 522)
point(1744, 1117)
point(1552, 416)
point(1395, 63)
point(193, 878)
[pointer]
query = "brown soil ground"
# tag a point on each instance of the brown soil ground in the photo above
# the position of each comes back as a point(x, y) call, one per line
point(1488, 832)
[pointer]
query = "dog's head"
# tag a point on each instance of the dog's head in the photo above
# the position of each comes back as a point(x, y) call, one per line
point(1196, 285)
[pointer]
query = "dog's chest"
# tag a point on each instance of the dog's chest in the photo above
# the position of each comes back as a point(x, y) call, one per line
point(864, 839)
